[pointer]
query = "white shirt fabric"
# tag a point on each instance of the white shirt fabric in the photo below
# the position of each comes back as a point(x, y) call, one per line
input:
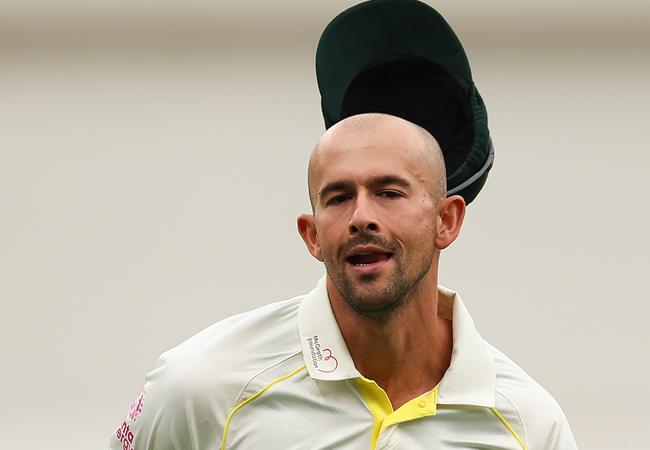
point(281, 377)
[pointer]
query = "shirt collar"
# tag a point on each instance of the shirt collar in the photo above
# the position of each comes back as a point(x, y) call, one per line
point(471, 376)
point(325, 352)
point(469, 380)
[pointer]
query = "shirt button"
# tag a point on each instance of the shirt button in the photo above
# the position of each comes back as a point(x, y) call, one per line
point(422, 404)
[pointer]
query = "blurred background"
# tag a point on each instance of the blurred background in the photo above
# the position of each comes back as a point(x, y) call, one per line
point(152, 164)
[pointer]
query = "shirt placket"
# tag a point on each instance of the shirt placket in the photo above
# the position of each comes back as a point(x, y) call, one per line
point(388, 438)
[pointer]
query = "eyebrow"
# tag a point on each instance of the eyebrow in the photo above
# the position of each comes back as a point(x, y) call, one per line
point(341, 185)
point(384, 180)
point(348, 185)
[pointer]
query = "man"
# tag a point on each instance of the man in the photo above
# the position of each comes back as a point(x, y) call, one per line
point(377, 356)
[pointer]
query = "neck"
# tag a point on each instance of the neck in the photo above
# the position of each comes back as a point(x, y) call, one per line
point(408, 354)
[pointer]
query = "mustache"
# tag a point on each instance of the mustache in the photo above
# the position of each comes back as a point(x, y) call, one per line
point(368, 239)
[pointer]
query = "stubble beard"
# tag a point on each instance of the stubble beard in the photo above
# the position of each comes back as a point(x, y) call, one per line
point(381, 304)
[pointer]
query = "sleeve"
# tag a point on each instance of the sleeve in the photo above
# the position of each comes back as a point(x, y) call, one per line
point(555, 435)
point(534, 411)
point(175, 410)
point(547, 427)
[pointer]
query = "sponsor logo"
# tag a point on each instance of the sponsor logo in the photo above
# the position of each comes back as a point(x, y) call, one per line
point(124, 434)
point(321, 357)
point(333, 362)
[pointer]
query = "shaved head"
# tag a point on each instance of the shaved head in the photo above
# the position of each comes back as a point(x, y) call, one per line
point(356, 128)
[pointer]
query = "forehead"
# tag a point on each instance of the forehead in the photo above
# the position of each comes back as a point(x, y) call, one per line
point(372, 153)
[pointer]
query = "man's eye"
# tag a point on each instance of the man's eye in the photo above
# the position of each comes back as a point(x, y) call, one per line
point(338, 199)
point(390, 194)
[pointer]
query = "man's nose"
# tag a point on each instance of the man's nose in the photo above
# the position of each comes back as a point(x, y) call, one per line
point(363, 218)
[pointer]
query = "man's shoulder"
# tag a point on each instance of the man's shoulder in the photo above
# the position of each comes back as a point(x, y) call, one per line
point(528, 407)
point(240, 344)
point(219, 360)
point(514, 384)
point(186, 398)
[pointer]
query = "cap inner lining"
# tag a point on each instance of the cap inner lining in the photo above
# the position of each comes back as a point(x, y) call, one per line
point(422, 92)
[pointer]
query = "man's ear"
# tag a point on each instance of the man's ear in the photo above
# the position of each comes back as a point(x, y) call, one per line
point(307, 230)
point(450, 216)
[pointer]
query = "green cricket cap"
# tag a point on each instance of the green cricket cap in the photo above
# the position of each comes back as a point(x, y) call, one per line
point(401, 57)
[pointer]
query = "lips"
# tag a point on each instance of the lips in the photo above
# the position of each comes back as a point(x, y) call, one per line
point(366, 260)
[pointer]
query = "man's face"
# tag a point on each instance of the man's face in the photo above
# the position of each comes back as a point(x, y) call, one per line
point(375, 215)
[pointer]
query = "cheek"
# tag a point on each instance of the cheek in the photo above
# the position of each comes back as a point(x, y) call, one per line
point(420, 208)
point(329, 235)
point(417, 227)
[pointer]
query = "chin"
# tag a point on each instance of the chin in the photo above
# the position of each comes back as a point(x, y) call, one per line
point(369, 297)
point(375, 295)
point(374, 308)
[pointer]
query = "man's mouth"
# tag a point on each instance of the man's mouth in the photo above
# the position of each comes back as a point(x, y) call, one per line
point(367, 258)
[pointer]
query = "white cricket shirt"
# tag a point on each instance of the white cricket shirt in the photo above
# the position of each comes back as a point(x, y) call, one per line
point(281, 377)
